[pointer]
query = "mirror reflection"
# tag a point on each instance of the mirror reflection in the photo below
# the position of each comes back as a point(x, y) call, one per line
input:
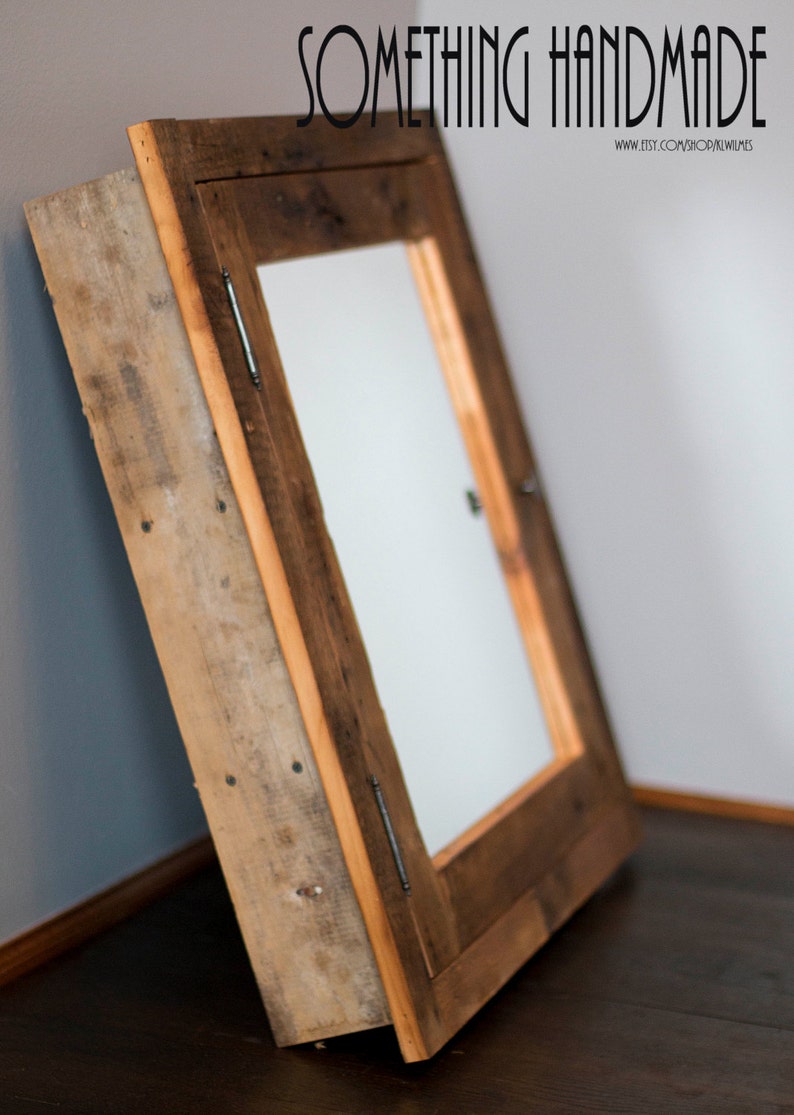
point(401, 506)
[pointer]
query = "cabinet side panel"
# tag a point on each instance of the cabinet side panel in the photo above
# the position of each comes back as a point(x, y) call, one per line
point(207, 610)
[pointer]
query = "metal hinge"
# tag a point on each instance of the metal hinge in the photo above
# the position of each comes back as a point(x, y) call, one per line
point(390, 834)
point(248, 352)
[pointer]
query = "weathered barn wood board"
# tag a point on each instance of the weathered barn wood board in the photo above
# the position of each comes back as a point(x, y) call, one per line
point(206, 609)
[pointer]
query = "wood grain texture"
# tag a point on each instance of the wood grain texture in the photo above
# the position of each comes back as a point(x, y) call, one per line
point(217, 205)
point(207, 611)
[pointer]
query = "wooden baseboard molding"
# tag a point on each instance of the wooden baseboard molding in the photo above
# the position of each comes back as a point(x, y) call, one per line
point(718, 807)
point(79, 923)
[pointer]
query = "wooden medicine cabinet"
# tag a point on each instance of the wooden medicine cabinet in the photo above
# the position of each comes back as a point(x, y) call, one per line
point(313, 448)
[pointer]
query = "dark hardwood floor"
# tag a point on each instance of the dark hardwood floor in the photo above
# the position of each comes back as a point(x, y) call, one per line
point(671, 991)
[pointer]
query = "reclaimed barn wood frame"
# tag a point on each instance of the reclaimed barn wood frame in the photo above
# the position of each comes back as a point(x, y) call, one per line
point(235, 194)
point(240, 193)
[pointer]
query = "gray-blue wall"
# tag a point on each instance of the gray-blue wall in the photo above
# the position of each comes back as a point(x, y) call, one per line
point(93, 780)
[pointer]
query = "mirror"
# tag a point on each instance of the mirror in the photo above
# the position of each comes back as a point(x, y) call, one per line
point(400, 505)
point(385, 598)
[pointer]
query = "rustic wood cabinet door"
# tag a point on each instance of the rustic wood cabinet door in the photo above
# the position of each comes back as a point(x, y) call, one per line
point(227, 197)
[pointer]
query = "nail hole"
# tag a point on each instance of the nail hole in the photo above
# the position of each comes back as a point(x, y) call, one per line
point(309, 892)
point(146, 526)
point(231, 780)
point(297, 767)
point(221, 505)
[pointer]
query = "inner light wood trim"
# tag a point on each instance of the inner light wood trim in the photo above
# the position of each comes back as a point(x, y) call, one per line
point(498, 502)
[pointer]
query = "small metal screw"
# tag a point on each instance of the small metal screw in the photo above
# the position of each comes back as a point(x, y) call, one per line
point(309, 892)
point(146, 526)
point(231, 780)
point(297, 767)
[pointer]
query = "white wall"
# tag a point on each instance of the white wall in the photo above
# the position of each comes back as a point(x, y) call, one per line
point(646, 305)
point(93, 782)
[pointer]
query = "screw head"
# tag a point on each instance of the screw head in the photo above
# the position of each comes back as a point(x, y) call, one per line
point(309, 892)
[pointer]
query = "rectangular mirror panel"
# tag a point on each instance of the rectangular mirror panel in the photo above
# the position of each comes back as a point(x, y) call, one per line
point(413, 543)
